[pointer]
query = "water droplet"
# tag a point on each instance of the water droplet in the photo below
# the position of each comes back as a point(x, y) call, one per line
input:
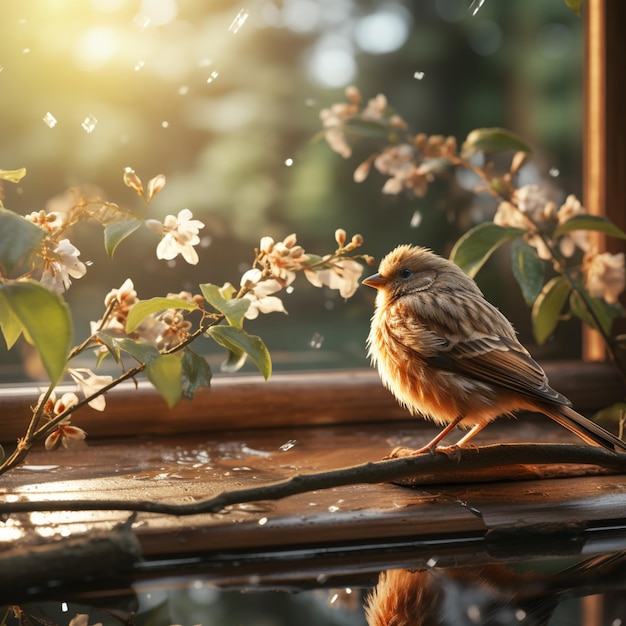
point(165, 124)
point(416, 219)
point(183, 90)
point(288, 162)
point(476, 6)
point(238, 22)
point(50, 120)
point(89, 123)
point(333, 508)
point(139, 65)
point(316, 341)
point(333, 598)
point(289, 289)
point(554, 172)
point(288, 445)
point(26, 50)
point(263, 521)
point(64, 607)
point(322, 578)
point(520, 615)
point(141, 21)
point(418, 75)
point(204, 62)
point(431, 562)
point(212, 76)
point(206, 241)
point(473, 612)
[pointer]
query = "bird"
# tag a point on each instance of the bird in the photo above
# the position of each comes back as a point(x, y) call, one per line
point(448, 355)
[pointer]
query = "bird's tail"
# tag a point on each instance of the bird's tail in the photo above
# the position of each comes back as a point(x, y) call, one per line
point(586, 429)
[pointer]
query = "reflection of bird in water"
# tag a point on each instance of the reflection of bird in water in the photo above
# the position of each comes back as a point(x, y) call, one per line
point(492, 595)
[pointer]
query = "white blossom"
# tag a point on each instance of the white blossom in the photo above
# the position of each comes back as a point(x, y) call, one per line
point(605, 276)
point(179, 236)
point(89, 384)
point(342, 275)
point(63, 265)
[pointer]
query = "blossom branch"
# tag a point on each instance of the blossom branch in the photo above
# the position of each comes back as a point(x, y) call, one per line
point(429, 468)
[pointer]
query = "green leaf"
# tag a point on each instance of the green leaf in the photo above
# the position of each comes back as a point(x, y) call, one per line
point(195, 373)
point(116, 232)
point(111, 344)
point(590, 222)
point(19, 238)
point(142, 352)
point(233, 309)
point(10, 324)
point(164, 373)
point(144, 308)
point(46, 322)
point(472, 250)
point(528, 269)
point(13, 176)
point(574, 5)
point(238, 340)
point(493, 140)
point(604, 312)
point(547, 308)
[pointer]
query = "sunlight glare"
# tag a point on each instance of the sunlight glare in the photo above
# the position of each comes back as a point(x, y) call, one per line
point(159, 12)
point(96, 47)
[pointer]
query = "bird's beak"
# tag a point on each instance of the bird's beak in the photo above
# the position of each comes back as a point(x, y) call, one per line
point(376, 281)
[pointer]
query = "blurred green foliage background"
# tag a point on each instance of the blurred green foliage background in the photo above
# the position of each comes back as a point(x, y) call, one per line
point(220, 97)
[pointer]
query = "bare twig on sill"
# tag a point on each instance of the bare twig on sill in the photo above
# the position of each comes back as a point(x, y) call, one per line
point(512, 461)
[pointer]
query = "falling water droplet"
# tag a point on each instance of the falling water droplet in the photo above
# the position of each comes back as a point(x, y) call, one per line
point(89, 123)
point(165, 124)
point(183, 90)
point(288, 445)
point(139, 65)
point(554, 172)
point(416, 219)
point(238, 22)
point(262, 521)
point(316, 341)
point(476, 6)
point(50, 120)
point(141, 21)
point(418, 75)
point(288, 162)
point(212, 76)
point(289, 289)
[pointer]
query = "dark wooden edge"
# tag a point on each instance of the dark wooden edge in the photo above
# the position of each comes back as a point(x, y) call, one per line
point(243, 402)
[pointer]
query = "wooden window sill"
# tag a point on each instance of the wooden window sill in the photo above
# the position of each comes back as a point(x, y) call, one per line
point(327, 421)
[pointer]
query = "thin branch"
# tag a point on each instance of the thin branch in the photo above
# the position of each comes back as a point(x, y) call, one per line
point(442, 465)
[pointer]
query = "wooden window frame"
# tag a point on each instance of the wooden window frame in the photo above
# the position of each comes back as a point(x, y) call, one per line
point(352, 396)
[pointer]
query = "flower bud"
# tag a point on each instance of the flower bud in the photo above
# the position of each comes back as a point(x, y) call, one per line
point(133, 181)
point(340, 236)
point(357, 240)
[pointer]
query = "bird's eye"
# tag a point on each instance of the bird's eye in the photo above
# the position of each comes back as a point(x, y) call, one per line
point(405, 273)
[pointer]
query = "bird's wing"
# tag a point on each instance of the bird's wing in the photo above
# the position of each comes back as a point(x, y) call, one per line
point(498, 361)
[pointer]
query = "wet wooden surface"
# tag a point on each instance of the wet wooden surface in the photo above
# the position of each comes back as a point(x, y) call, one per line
point(446, 518)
